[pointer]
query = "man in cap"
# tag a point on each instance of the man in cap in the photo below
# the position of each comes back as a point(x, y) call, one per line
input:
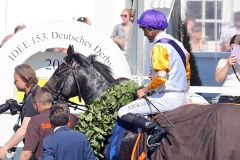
point(169, 71)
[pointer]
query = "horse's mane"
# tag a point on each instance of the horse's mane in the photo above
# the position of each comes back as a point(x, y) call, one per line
point(103, 69)
point(85, 62)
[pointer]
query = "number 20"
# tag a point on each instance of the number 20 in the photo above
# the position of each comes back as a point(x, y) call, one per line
point(52, 64)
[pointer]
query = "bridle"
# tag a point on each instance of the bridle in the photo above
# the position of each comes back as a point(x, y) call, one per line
point(57, 90)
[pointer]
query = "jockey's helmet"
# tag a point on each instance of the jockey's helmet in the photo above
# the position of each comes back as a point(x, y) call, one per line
point(153, 19)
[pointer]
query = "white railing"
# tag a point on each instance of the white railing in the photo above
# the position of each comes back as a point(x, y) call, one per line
point(210, 89)
point(196, 89)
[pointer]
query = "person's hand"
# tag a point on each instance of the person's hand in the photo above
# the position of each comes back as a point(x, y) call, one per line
point(141, 92)
point(232, 60)
point(3, 152)
point(119, 40)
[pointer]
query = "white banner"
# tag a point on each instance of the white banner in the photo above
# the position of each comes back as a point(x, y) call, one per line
point(25, 47)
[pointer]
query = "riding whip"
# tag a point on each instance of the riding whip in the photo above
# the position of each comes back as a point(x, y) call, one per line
point(148, 101)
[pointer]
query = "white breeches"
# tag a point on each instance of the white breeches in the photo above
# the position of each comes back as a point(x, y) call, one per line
point(163, 101)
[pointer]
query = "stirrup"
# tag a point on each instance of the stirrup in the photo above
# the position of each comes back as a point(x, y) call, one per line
point(152, 145)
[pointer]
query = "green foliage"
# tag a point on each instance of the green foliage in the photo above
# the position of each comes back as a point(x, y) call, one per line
point(96, 123)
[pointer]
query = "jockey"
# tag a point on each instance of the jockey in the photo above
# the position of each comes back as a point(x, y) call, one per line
point(169, 71)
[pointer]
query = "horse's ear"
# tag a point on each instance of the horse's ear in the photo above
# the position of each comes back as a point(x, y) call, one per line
point(70, 53)
point(70, 50)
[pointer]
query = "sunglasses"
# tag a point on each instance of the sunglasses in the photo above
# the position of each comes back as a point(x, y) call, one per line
point(15, 81)
point(123, 15)
point(82, 19)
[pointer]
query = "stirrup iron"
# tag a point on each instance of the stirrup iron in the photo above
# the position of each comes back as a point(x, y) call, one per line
point(152, 145)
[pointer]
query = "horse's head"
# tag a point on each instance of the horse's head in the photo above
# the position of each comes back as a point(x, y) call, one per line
point(79, 76)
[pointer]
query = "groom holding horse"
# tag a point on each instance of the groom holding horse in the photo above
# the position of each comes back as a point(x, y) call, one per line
point(169, 71)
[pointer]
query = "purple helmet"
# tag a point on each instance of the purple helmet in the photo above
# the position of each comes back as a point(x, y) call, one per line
point(153, 19)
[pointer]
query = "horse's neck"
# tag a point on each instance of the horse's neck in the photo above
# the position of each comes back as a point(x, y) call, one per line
point(95, 90)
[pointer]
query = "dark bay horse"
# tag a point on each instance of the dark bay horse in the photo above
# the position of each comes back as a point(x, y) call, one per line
point(210, 132)
point(80, 76)
point(87, 78)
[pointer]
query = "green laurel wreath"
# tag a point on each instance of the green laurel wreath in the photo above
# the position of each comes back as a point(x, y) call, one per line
point(97, 122)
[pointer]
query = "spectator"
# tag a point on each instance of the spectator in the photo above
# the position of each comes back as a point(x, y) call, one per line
point(228, 32)
point(57, 50)
point(228, 70)
point(6, 38)
point(121, 31)
point(190, 22)
point(65, 143)
point(17, 29)
point(196, 40)
point(84, 20)
point(39, 126)
point(26, 81)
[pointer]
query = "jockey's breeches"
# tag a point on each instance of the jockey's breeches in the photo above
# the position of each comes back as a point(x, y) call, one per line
point(165, 101)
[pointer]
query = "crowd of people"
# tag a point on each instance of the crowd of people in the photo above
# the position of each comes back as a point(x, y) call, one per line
point(120, 33)
point(39, 119)
point(228, 69)
point(198, 40)
point(47, 128)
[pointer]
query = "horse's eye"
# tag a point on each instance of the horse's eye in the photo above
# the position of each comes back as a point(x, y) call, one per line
point(58, 72)
point(63, 64)
point(61, 70)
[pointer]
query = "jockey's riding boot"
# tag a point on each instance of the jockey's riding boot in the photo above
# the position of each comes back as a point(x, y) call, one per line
point(151, 127)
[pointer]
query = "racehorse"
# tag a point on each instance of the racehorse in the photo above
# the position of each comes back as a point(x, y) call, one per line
point(80, 76)
point(86, 78)
point(196, 132)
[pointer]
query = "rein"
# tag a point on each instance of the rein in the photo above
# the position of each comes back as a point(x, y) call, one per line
point(75, 79)
point(57, 93)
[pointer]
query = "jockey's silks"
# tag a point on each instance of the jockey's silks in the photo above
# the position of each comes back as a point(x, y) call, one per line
point(167, 68)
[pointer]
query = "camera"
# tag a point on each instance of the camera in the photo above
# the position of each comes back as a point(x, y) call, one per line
point(14, 106)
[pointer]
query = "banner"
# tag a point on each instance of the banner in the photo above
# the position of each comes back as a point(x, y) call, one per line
point(29, 45)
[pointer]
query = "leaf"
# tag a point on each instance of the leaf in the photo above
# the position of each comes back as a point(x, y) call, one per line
point(98, 121)
point(89, 117)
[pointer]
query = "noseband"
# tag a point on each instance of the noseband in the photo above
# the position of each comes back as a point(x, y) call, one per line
point(57, 91)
